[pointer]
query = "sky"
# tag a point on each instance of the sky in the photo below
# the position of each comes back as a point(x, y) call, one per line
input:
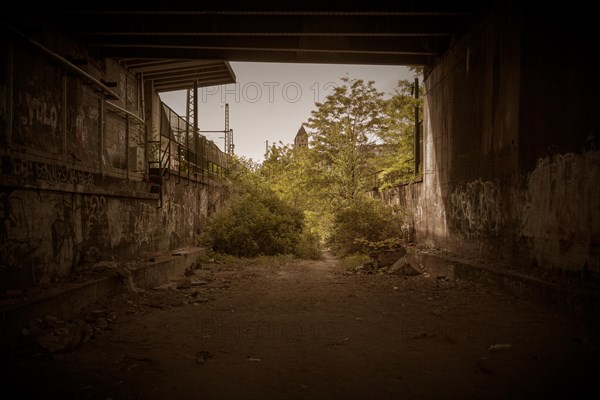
point(270, 101)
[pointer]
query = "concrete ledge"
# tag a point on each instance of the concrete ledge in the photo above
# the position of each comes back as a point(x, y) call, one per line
point(65, 302)
point(574, 298)
point(158, 272)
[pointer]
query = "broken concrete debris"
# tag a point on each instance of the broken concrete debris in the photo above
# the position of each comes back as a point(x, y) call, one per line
point(393, 262)
point(56, 336)
point(386, 258)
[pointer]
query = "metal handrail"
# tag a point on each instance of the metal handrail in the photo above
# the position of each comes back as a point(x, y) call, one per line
point(207, 160)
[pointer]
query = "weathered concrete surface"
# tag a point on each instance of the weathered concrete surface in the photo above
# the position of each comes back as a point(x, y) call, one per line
point(298, 329)
point(74, 171)
point(511, 166)
point(155, 273)
point(47, 233)
point(65, 301)
point(574, 297)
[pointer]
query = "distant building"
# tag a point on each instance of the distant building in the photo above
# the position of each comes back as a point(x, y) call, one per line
point(301, 139)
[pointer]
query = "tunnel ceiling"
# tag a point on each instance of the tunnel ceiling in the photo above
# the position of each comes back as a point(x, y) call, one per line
point(406, 33)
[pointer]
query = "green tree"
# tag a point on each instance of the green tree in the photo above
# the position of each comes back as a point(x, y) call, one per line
point(358, 141)
point(395, 163)
point(291, 173)
point(343, 131)
point(285, 169)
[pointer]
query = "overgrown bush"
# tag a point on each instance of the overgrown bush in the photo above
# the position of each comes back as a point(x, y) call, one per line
point(255, 224)
point(309, 246)
point(363, 221)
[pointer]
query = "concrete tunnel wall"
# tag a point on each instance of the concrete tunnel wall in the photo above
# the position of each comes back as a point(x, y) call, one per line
point(73, 169)
point(511, 159)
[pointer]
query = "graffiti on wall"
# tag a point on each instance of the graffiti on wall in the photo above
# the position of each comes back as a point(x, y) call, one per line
point(66, 242)
point(84, 123)
point(26, 169)
point(476, 208)
point(38, 119)
point(115, 142)
point(45, 234)
point(39, 231)
point(15, 240)
point(95, 219)
point(180, 214)
point(146, 225)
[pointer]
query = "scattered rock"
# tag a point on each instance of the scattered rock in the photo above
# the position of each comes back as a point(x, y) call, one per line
point(203, 356)
point(49, 322)
point(584, 340)
point(57, 336)
point(94, 315)
point(189, 272)
point(339, 342)
point(155, 305)
point(184, 284)
point(87, 331)
point(92, 255)
point(253, 359)
point(196, 298)
point(51, 343)
point(499, 347)
point(421, 335)
point(98, 313)
point(45, 283)
point(200, 282)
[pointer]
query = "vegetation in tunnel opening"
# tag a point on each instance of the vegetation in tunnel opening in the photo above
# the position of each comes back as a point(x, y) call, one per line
point(359, 142)
point(257, 222)
point(365, 225)
point(303, 199)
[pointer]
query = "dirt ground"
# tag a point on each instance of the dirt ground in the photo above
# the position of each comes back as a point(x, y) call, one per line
point(307, 330)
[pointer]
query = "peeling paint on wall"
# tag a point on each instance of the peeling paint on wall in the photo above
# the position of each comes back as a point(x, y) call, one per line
point(561, 211)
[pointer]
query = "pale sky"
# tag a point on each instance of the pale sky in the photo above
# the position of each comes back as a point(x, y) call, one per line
point(270, 101)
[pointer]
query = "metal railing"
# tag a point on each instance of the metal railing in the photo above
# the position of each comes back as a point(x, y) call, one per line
point(183, 153)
